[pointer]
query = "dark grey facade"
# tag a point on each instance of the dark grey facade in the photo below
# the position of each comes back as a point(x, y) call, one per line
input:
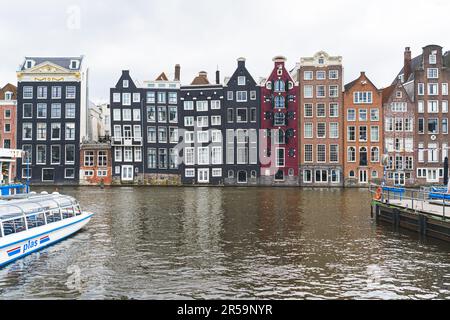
point(242, 123)
point(51, 119)
point(202, 116)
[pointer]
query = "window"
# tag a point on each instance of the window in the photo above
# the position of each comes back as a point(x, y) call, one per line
point(334, 91)
point(7, 128)
point(48, 174)
point(444, 106)
point(308, 152)
point(253, 95)
point(362, 114)
point(433, 152)
point(70, 131)
point(421, 125)
point(321, 75)
point(173, 135)
point(173, 98)
point(151, 114)
point(351, 154)
point(162, 114)
point(116, 114)
point(216, 155)
point(27, 110)
point(279, 152)
point(308, 91)
point(202, 121)
point(230, 146)
point(188, 105)
point(189, 173)
point(321, 153)
point(162, 134)
point(375, 154)
point(136, 97)
point(70, 92)
point(151, 134)
point(308, 130)
point(398, 124)
point(151, 158)
point(125, 83)
point(173, 158)
point(320, 91)
point(136, 115)
point(351, 115)
point(432, 73)
point(253, 115)
point(70, 154)
point(216, 136)
point(137, 133)
point(55, 154)
point(215, 104)
point(333, 74)
point(116, 97)
point(230, 113)
point(321, 130)
point(128, 154)
point(307, 176)
point(308, 110)
point(308, 75)
point(420, 89)
point(321, 176)
point(189, 137)
point(362, 133)
point(433, 126)
point(241, 81)
point(42, 92)
point(445, 89)
point(433, 106)
point(27, 131)
point(334, 110)
point(102, 159)
point(202, 136)
point(56, 131)
point(188, 121)
point(203, 155)
point(161, 97)
point(351, 133)
point(362, 97)
point(241, 96)
point(374, 134)
point(230, 95)
point(7, 114)
point(137, 154)
point(151, 97)
point(41, 154)
point(279, 86)
point(202, 106)
point(374, 115)
point(88, 158)
point(334, 153)
point(279, 119)
point(241, 115)
point(279, 102)
point(432, 58)
point(126, 99)
point(27, 92)
point(334, 130)
point(420, 106)
point(55, 110)
point(445, 125)
point(70, 110)
point(189, 156)
point(56, 92)
point(433, 89)
point(321, 112)
point(216, 120)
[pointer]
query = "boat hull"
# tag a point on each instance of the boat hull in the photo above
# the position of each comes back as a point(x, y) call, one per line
point(27, 242)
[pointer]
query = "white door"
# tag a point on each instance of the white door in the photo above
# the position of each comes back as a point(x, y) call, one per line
point(203, 175)
point(127, 173)
point(362, 176)
point(432, 175)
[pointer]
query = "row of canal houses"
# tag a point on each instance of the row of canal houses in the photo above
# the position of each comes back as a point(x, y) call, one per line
point(299, 126)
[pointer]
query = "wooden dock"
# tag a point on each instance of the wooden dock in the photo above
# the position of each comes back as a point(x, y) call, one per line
point(414, 212)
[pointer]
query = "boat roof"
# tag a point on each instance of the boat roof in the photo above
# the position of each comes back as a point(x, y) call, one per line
point(33, 204)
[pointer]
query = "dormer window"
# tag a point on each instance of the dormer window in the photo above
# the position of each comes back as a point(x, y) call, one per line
point(8, 95)
point(125, 83)
point(29, 64)
point(74, 64)
point(321, 60)
point(399, 94)
point(241, 81)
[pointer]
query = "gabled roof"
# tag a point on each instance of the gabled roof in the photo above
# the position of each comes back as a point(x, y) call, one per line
point(162, 77)
point(201, 79)
point(349, 85)
point(60, 61)
point(8, 88)
point(387, 92)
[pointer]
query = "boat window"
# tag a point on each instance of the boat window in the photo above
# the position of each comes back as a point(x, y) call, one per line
point(67, 212)
point(56, 215)
point(53, 216)
point(77, 210)
point(35, 220)
point(14, 226)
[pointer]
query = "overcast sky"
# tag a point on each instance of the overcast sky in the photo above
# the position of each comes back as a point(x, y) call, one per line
point(151, 36)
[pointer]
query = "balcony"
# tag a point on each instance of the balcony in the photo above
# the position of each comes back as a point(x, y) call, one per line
point(127, 142)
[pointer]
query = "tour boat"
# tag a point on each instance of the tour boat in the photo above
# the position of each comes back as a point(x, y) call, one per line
point(30, 222)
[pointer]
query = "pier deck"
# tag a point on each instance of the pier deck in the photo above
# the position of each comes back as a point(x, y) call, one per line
point(424, 207)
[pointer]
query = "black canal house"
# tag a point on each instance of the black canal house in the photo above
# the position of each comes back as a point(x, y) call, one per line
point(202, 115)
point(241, 126)
point(161, 134)
point(126, 107)
point(52, 101)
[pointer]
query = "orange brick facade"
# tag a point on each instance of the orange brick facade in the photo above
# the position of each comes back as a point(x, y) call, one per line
point(95, 164)
point(363, 135)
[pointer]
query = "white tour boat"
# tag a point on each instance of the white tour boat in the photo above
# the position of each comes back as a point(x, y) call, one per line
point(30, 222)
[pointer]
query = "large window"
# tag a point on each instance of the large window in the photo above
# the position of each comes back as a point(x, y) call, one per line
point(162, 114)
point(321, 153)
point(433, 126)
point(173, 114)
point(71, 92)
point(56, 111)
point(151, 158)
point(308, 152)
point(241, 115)
point(308, 130)
point(362, 97)
point(70, 131)
point(42, 110)
point(279, 86)
point(279, 102)
point(41, 154)
point(151, 114)
point(321, 130)
point(27, 131)
point(334, 153)
point(70, 154)
point(70, 110)
point(27, 110)
point(279, 119)
point(88, 158)
point(203, 155)
point(173, 98)
point(279, 157)
point(202, 106)
point(163, 158)
point(41, 133)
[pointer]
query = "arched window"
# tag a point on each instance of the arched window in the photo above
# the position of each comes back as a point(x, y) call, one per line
point(279, 86)
point(351, 174)
point(375, 154)
point(230, 174)
point(363, 156)
point(279, 102)
point(351, 154)
point(253, 174)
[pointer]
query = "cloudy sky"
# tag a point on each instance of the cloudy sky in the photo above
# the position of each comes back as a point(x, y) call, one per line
point(150, 36)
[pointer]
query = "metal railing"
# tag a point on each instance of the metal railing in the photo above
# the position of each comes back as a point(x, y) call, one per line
point(414, 199)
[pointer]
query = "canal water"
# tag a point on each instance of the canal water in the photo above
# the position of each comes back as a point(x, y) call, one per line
point(235, 243)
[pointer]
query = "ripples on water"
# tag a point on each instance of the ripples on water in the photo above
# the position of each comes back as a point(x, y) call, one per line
point(237, 243)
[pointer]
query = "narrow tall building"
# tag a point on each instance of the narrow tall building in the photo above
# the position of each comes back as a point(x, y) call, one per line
point(399, 112)
point(430, 74)
point(363, 123)
point(242, 104)
point(52, 107)
point(279, 127)
point(202, 115)
point(8, 125)
point(320, 120)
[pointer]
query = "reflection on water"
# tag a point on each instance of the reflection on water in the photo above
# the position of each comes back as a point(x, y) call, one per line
point(167, 243)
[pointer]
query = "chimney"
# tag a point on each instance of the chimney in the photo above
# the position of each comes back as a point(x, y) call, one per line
point(407, 64)
point(241, 62)
point(177, 72)
point(217, 77)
